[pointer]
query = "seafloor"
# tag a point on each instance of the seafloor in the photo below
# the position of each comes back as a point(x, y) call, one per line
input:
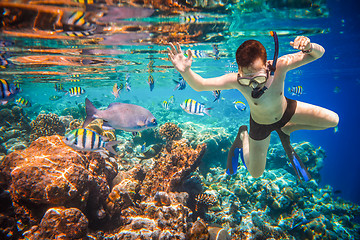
point(174, 189)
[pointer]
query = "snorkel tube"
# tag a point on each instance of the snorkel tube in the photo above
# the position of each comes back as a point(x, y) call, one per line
point(258, 92)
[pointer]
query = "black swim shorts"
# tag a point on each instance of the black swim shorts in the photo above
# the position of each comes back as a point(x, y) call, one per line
point(262, 131)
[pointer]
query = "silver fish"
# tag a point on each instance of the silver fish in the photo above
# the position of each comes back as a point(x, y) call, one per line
point(127, 117)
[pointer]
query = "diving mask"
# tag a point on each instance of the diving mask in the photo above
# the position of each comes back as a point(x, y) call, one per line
point(258, 78)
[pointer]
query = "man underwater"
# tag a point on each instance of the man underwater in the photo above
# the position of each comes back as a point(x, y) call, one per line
point(262, 83)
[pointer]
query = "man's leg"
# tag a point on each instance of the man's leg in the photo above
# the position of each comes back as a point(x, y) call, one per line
point(310, 117)
point(254, 152)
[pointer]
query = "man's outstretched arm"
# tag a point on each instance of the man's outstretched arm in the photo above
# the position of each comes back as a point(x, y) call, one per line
point(183, 65)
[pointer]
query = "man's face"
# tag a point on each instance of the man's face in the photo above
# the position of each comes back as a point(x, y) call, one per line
point(257, 68)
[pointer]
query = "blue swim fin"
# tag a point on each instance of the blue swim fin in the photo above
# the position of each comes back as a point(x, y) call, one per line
point(235, 161)
point(300, 168)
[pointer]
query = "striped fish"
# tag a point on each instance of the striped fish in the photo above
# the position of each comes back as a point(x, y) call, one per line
point(190, 19)
point(216, 94)
point(59, 87)
point(22, 102)
point(77, 26)
point(7, 91)
point(199, 54)
point(76, 91)
point(193, 107)
point(296, 90)
point(151, 82)
point(165, 105)
point(83, 139)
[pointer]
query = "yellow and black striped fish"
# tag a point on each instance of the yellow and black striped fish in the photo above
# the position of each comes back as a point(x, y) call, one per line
point(76, 91)
point(193, 107)
point(22, 102)
point(296, 90)
point(7, 91)
point(87, 140)
point(151, 82)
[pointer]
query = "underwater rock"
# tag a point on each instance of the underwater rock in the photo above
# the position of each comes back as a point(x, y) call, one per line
point(311, 157)
point(60, 223)
point(38, 180)
point(46, 125)
point(217, 140)
point(173, 166)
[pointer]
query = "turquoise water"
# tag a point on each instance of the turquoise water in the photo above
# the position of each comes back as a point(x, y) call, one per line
point(126, 43)
point(38, 53)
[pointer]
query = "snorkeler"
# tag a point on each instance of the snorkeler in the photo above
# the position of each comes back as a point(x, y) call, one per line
point(262, 84)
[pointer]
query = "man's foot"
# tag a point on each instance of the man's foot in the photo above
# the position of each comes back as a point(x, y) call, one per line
point(235, 151)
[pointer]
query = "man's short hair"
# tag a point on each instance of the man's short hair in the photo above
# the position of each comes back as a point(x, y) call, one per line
point(249, 51)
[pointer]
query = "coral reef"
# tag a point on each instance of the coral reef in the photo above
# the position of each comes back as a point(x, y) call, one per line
point(14, 129)
point(217, 140)
point(69, 194)
point(77, 111)
point(270, 206)
point(50, 174)
point(46, 125)
point(312, 158)
point(170, 131)
point(50, 191)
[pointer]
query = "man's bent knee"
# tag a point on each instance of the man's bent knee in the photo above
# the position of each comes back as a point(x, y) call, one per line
point(333, 120)
point(256, 173)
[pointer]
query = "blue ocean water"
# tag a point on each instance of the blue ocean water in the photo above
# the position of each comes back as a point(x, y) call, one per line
point(331, 82)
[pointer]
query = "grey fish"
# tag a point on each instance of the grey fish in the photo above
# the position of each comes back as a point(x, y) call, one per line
point(127, 117)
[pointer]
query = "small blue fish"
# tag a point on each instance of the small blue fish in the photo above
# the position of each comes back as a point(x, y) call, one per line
point(239, 105)
point(127, 117)
point(76, 91)
point(216, 51)
point(165, 105)
point(22, 102)
point(127, 83)
point(216, 94)
point(181, 84)
point(87, 140)
point(193, 107)
point(302, 222)
point(143, 147)
point(296, 90)
point(151, 82)
point(7, 91)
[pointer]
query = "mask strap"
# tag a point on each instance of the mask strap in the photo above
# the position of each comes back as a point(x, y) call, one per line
point(258, 92)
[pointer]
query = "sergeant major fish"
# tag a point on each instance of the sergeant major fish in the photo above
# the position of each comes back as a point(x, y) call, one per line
point(193, 107)
point(76, 91)
point(7, 91)
point(127, 117)
point(296, 90)
point(87, 140)
point(22, 102)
